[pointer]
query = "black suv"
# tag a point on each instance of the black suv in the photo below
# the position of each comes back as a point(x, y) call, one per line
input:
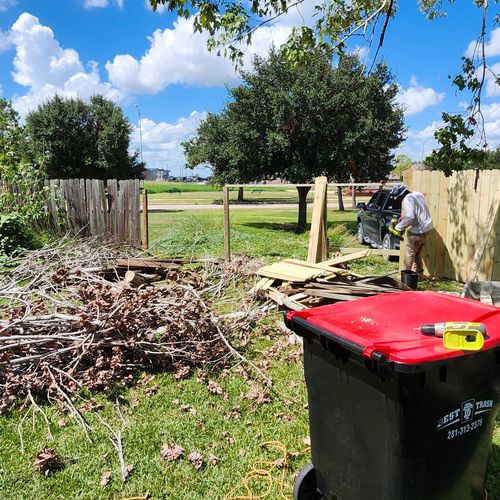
point(374, 218)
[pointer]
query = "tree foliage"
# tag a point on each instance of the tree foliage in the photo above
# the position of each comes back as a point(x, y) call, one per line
point(402, 163)
point(22, 177)
point(295, 123)
point(231, 25)
point(86, 140)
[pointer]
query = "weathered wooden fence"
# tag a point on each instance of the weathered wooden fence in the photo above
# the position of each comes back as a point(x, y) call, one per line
point(465, 244)
point(93, 207)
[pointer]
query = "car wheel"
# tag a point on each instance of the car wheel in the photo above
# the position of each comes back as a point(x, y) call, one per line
point(360, 234)
point(387, 244)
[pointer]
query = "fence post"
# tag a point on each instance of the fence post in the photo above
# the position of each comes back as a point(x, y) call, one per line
point(227, 235)
point(145, 229)
point(318, 244)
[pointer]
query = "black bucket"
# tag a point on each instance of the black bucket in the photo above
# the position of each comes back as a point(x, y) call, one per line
point(409, 278)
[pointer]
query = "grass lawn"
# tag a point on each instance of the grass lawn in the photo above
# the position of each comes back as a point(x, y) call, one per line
point(267, 234)
point(229, 426)
point(186, 193)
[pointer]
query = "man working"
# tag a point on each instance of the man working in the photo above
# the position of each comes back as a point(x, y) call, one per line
point(416, 216)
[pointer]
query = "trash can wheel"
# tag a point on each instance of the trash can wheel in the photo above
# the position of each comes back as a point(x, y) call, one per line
point(305, 486)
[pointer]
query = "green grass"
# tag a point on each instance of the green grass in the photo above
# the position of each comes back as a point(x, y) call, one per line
point(268, 234)
point(189, 187)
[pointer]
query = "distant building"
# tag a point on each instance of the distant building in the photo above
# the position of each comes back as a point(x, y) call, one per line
point(156, 174)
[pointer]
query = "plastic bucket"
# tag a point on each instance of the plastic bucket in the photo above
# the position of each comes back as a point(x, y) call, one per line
point(409, 278)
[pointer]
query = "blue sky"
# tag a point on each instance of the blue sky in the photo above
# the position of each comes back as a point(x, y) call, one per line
point(151, 63)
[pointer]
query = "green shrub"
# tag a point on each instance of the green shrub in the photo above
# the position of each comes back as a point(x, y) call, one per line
point(15, 235)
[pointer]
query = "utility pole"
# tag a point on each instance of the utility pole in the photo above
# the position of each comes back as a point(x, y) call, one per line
point(140, 130)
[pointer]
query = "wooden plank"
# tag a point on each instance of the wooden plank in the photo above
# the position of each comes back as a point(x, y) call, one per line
point(112, 188)
point(145, 263)
point(430, 248)
point(283, 300)
point(135, 212)
point(373, 251)
point(425, 188)
point(487, 230)
point(262, 284)
point(90, 207)
point(227, 222)
point(441, 226)
point(486, 267)
point(348, 258)
point(289, 272)
point(311, 265)
point(145, 221)
point(317, 239)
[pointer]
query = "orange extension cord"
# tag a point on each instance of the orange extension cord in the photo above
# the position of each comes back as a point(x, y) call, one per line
point(264, 471)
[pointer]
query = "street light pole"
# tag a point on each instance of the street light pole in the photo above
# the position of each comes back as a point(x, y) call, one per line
point(140, 130)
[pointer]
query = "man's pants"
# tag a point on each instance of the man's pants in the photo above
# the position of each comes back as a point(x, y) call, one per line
point(413, 254)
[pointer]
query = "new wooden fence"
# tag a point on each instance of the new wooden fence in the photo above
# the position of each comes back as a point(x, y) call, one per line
point(465, 244)
point(93, 207)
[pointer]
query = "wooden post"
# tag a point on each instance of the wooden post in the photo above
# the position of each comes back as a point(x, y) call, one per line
point(145, 221)
point(227, 235)
point(318, 246)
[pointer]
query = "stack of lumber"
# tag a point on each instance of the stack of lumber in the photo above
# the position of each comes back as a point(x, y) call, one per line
point(296, 285)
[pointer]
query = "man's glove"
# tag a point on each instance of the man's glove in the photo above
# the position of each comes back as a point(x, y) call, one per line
point(392, 229)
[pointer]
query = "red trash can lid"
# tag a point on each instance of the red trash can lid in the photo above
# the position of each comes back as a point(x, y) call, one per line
point(389, 324)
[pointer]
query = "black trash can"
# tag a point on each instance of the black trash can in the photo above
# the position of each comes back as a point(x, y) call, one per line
point(394, 414)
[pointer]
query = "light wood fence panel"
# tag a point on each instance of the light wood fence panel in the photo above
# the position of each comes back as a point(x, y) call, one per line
point(460, 208)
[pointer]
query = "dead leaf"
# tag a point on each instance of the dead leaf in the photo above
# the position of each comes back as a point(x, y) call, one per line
point(181, 371)
point(105, 478)
point(90, 405)
point(149, 391)
point(213, 459)
point(242, 453)
point(62, 422)
point(257, 393)
point(196, 458)
point(307, 441)
point(228, 437)
point(214, 387)
point(47, 461)
point(280, 463)
point(171, 452)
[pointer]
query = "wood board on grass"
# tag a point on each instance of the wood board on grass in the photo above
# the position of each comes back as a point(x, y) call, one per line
point(287, 271)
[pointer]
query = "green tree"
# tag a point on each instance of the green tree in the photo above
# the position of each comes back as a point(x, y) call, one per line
point(401, 163)
point(87, 140)
point(21, 199)
point(232, 24)
point(297, 122)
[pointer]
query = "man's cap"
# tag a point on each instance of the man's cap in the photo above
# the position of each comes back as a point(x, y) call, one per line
point(398, 190)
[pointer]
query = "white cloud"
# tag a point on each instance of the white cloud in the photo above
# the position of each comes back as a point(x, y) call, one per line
point(416, 98)
point(492, 47)
point(4, 41)
point(492, 87)
point(7, 4)
point(161, 142)
point(45, 68)
point(179, 55)
point(91, 4)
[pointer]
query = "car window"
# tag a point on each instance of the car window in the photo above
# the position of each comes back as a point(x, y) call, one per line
point(373, 201)
point(394, 203)
point(377, 201)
